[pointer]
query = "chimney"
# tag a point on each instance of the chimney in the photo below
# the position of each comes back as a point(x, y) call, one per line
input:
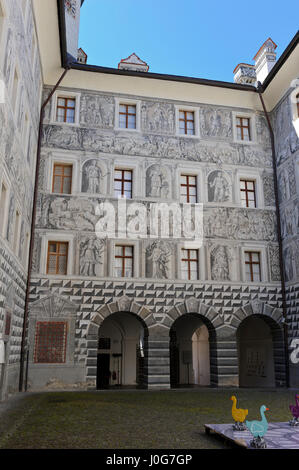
point(245, 74)
point(81, 56)
point(133, 62)
point(265, 59)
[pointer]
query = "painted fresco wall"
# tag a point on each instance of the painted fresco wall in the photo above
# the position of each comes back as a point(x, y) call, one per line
point(20, 76)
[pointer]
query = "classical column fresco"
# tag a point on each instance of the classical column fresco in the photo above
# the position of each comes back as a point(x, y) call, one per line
point(157, 182)
point(91, 256)
point(93, 177)
point(158, 260)
point(219, 188)
point(220, 266)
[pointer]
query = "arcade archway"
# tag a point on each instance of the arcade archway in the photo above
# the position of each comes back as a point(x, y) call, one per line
point(190, 351)
point(122, 351)
point(260, 352)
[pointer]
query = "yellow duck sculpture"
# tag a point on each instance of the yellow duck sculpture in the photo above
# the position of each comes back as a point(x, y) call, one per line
point(239, 416)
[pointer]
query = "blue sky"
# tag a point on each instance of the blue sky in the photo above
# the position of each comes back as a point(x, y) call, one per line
point(195, 38)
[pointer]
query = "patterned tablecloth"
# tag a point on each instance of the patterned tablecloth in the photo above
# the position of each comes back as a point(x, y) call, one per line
point(278, 436)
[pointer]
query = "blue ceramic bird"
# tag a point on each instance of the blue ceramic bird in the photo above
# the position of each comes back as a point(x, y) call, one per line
point(258, 428)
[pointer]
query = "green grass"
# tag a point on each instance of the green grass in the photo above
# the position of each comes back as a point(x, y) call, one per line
point(129, 419)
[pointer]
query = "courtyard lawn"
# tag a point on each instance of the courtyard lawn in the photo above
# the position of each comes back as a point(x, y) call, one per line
point(130, 419)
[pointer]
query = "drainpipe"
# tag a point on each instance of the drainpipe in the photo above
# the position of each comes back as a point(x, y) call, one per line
point(31, 245)
point(279, 236)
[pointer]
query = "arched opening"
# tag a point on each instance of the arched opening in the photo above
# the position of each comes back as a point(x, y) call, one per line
point(190, 351)
point(260, 352)
point(122, 351)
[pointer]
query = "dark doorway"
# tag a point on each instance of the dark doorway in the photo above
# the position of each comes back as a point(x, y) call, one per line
point(103, 371)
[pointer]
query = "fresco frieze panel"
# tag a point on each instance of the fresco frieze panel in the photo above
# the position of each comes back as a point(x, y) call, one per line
point(120, 143)
point(290, 220)
point(240, 224)
point(274, 262)
point(216, 123)
point(289, 259)
point(97, 110)
point(263, 134)
point(158, 260)
point(158, 117)
point(286, 139)
point(268, 185)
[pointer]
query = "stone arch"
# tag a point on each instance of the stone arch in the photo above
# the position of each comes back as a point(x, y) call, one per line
point(123, 304)
point(259, 308)
point(192, 305)
point(273, 318)
point(210, 318)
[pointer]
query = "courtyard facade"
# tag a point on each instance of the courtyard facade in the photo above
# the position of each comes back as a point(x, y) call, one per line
point(115, 301)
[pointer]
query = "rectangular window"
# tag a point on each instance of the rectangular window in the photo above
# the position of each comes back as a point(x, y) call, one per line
point(124, 258)
point(248, 197)
point(3, 202)
point(62, 178)
point(186, 122)
point(50, 342)
point(127, 116)
point(252, 266)
point(188, 188)
point(65, 111)
point(57, 258)
point(189, 264)
point(243, 128)
point(123, 183)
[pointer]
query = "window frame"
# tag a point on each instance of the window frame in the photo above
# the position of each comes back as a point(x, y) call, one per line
point(250, 175)
point(261, 249)
point(188, 175)
point(251, 263)
point(187, 109)
point(128, 102)
point(136, 258)
point(246, 191)
point(54, 105)
point(189, 260)
point(57, 257)
point(57, 236)
point(123, 257)
point(63, 165)
point(252, 127)
point(60, 158)
point(123, 181)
